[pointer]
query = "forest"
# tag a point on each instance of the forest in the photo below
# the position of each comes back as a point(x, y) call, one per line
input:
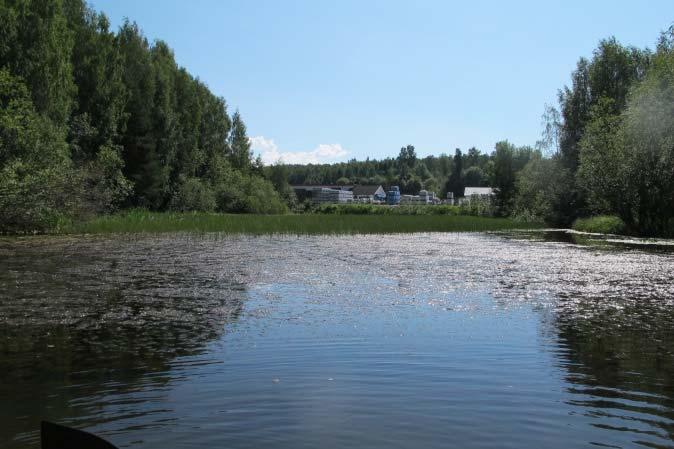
point(93, 121)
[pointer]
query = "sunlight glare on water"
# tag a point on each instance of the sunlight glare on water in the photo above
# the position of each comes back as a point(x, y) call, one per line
point(416, 340)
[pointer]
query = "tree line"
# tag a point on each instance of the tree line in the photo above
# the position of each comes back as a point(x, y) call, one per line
point(612, 141)
point(440, 174)
point(607, 149)
point(93, 120)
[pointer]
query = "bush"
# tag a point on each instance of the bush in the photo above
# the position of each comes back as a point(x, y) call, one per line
point(239, 192)
point(193, 195)
point(478, 207)
point(602, 224)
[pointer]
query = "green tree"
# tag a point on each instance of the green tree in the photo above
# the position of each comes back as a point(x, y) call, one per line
point(605, 166)
point(475, 177)
point(38, 49)
point(406, 160)
point(504, 177)
point(278, 175)
point(455, 182)
point(239, 143)
point(37, 184)
point(649, 136)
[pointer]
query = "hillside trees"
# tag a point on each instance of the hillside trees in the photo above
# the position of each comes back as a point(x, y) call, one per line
point(627, 154)
point(37, 183)
point(94, 120)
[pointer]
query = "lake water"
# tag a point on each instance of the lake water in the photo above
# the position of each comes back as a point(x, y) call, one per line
point(404, 341)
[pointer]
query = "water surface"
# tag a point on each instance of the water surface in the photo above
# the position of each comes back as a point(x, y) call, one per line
point(415, 340)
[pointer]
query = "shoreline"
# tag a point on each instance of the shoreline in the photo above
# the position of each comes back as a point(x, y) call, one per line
point(299, 224)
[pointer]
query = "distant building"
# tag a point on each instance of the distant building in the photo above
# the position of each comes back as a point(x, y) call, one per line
point(424, 197)
point(369, 194)
point(324, 194)
point(327, 195)
point(477, 193)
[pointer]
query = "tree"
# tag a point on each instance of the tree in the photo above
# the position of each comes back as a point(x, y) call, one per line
point(475, 177)
point(504, 177)
point(575, 110)
point(278, 175)
point(541, 191)
point(605, 170)
point(92, 120)
point(37, 183)
point(406, 160)
point(455, 183)
point(649, 137)
point(39, 51)
point(551, 122)
point(610, 74)
point(239, 143)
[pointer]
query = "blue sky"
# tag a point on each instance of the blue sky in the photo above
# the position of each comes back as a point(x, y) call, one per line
point(332, 80)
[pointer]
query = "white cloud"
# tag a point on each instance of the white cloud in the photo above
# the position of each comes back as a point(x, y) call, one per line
point(271, 154)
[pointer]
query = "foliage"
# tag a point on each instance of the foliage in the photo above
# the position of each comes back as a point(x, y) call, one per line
point(542, 191)
point(136, 221)
point(649, 140)
point(603, 224)
point(455, 182)
point(193, 195)
point(605, 170)
point(627, 150)
point(236, 192)
point(278, 176)
point(475, 177)
point(93, 120)
point(479, 207)
point(38, 187)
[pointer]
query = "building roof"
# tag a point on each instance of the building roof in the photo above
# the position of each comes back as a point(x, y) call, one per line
point(470, 191)
point(367, 190)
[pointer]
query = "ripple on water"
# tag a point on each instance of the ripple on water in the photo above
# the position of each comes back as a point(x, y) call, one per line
point(417, 339)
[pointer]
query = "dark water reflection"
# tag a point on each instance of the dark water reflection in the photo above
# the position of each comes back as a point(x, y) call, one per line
point(86, 324)
point(437, 340)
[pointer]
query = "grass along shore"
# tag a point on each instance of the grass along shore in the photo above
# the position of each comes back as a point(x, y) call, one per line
point(136, 221)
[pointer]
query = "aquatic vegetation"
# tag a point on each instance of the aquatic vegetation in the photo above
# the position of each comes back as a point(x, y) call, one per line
point(139, 221)
point(602, 224)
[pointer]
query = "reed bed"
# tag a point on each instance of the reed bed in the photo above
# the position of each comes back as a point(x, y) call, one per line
point(158, 222)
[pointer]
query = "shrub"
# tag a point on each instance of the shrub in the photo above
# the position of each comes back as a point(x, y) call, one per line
point(603, 224)
point(193, 195)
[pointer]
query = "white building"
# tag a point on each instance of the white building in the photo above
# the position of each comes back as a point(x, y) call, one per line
point(477, 193)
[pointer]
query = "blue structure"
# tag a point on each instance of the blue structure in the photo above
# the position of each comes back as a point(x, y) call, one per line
point(393, 196)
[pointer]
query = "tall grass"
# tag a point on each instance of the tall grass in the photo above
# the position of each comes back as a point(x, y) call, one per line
point(602, 224)
point(138, 221)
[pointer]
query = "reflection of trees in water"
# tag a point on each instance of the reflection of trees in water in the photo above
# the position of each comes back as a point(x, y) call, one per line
point(619, 354)
point(85, 322)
